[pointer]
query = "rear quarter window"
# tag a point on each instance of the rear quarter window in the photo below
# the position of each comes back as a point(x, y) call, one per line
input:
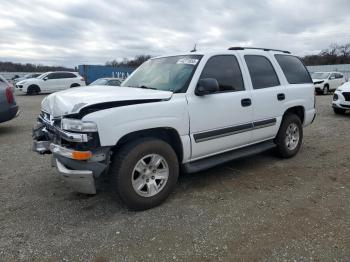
point(294, 70)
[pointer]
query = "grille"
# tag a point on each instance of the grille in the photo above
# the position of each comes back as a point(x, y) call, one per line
point(346, 95)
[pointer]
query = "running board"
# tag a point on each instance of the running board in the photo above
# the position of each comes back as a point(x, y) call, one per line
point(202, 164)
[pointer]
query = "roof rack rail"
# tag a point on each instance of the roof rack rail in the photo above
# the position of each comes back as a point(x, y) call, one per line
point(264, 49)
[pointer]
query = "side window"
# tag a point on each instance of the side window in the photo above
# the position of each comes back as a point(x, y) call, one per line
point(68, 75)
point(53, 76)
point(225, 69)
point(261, 71)
point(339, 76)
point(114, 83)
point(293, 69)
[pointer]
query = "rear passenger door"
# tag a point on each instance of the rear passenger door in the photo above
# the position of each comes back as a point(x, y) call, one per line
point(340, 79)
point(52, 82)
point(67, 79)
point(268, 96)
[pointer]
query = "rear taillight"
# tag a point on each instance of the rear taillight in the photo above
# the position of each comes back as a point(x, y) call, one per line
point(9, 95)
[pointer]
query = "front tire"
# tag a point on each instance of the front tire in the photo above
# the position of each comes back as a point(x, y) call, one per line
point(144, 173)
point(290, 136)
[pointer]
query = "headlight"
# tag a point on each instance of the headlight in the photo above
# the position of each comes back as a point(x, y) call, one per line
point(76, 125)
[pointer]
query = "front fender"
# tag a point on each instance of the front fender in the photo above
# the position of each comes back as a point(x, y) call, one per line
point(114, 123)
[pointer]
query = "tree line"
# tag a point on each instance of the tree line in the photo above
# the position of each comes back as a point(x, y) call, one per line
point(334, 54)
point(18, 67)
point(134, 62)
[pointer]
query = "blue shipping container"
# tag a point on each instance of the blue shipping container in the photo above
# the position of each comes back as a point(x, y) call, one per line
point(93, 72)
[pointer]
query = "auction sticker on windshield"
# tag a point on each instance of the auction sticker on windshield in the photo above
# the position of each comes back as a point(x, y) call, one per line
point(187, 61)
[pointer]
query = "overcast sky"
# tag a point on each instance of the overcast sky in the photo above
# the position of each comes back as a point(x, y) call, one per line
point(68, 32)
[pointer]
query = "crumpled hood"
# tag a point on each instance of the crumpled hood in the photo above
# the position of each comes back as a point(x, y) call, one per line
point(317, 80)
point(72, 100)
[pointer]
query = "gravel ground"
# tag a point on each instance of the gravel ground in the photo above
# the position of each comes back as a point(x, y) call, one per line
point(259, 208)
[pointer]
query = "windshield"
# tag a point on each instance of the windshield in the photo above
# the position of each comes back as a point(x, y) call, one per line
point(319, 75)
point(167, 73)
point(42, 75)
point(100, 81)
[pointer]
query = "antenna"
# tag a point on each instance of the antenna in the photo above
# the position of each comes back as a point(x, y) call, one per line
point(194, 48)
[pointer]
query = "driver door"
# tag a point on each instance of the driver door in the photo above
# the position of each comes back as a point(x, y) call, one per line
point(223, 120)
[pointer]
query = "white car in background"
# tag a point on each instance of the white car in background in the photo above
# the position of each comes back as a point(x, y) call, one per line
point(50, 82)
point(327, 81)
point(341, 99)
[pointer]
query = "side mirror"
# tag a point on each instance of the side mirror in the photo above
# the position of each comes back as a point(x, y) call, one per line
point(332, 77)
point(206, 86)
point(45, 78)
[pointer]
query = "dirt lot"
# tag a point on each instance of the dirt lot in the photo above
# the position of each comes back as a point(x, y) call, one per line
point(259, 208)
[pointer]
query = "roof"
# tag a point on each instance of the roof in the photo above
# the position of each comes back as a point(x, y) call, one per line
point(228, 51)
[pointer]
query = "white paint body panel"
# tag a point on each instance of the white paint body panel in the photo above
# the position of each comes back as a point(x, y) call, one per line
point(341, 99)
point(187, 113)
point(51, 85)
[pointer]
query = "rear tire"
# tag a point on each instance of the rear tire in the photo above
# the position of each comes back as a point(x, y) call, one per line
point(339, 111)
point(33, 90)
point(74, 85)
point(290, 136)
point(141, 184)
point(325, 90)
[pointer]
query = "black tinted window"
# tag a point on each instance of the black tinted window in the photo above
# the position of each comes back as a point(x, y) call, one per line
point(225, 69)
point(261, 72)
point(53, 76)
point(293, 69)
point(114, 83)
point(67, 75)
point(338, 76)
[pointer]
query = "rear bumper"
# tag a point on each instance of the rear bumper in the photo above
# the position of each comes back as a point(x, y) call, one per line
point(309, 117)
point(9, 113)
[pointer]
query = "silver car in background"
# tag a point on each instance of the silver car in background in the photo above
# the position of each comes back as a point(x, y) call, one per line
point(107, 81)
point(27, 76)
point(8, 105)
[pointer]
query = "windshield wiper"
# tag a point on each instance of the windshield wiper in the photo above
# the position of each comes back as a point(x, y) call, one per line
point(146, 87)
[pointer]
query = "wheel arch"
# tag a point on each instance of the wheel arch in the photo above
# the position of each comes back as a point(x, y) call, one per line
point(34, 86)
point(167, 134)
point(75, 85)
point(297, 110)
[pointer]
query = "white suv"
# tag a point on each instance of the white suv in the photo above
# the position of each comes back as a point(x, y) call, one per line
point(327, 81)
point(50, 82)
point(189, 111)
point(341, 99)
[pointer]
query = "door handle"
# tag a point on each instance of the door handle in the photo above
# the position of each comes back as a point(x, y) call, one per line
point(281, 97)
point(246, 102)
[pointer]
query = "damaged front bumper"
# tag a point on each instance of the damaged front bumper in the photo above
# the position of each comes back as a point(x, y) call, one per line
point(77, 162)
